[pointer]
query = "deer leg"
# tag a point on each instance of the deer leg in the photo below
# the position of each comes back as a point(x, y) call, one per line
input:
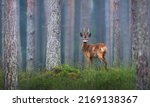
point(103, 57)
point(88, 58)
point(100, 57)
point(105, 61)
point(87, 55)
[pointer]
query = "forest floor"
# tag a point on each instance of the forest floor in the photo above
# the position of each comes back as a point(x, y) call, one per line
point(67, 77)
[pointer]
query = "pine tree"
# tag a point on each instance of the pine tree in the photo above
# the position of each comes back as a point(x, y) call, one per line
point(116, 31)
point(30, 34)
point(140, 41)
point(53, 23)
point(10, 37)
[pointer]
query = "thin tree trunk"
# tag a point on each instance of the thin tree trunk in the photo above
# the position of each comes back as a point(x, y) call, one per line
point(125, 32)
point(30, 34)
point(111, 36)
point(53, 22)
point(69, 31)
point(37, 33)
point(11, 33)
point(77, 37)
point(116, 31)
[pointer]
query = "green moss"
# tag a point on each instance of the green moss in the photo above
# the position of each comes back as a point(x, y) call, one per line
point(67, 77)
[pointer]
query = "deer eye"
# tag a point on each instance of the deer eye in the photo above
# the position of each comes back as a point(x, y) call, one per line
point(81, 34)
point(90, 35)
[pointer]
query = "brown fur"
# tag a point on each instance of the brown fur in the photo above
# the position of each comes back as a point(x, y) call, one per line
point(91, 51)
point(98, 50)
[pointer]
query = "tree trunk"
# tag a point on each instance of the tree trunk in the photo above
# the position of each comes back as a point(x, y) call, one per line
point(134, 20)
point(125, 32)
point(109, 30)
point(11, 32)
point(140, 41)
point(69, 31)
point(53, 22)
point(30, 34)
point(116, 31)
point(38, 37)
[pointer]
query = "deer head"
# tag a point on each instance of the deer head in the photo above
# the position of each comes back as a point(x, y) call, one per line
point(85, 35)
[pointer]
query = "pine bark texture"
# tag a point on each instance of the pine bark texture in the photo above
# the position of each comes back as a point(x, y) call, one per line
point(53, 22)
point(11, 33)
point(30, 34)
point(140, 41)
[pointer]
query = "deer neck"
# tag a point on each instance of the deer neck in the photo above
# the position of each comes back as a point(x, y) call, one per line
point(85, 46)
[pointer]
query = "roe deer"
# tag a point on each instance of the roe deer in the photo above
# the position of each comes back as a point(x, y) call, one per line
point(91, 51)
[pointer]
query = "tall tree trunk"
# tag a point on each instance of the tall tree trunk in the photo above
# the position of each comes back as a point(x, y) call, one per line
point(19, 52)
point(77, 37)
point(69, 31)
point(30, 34)
point(53, 22)
point(109, 29)
point(134, 34)
point(42, 35)
point(116, 31)
point(125, 32)
point(11, 32)
point(140, 41)
point(38, 40)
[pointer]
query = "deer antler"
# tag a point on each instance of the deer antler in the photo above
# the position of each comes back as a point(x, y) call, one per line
point(88, 30)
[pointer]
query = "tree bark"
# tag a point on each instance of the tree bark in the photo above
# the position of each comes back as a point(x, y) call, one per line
point(116, 31)
point(11, 32)
point(140, 41)
point(125, 16)
point(69, 31)
point(109, 30)
point(53, 22)
point(30, 35)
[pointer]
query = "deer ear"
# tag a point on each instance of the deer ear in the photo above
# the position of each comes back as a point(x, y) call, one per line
point(81, 34)
point(90, 35)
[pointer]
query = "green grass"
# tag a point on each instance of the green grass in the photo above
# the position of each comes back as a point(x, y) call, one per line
point(1, 80)
point(66, 77)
